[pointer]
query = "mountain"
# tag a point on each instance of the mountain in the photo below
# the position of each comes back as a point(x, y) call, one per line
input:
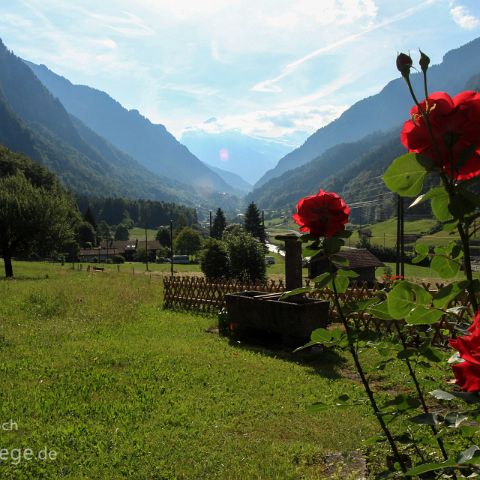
point(150, 144)
point(247, 156)
point(385, 110)
point(241, 186)
point(35, 123)
point(353, 170)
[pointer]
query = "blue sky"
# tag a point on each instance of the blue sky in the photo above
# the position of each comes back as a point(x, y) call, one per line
point(269, 68)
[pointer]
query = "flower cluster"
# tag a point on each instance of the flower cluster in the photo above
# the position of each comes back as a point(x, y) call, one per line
point(467, 370)
point(454, 128)
point(322, 215)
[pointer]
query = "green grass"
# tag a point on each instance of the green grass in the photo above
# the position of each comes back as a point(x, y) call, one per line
point(93, 368)
point(139, 233)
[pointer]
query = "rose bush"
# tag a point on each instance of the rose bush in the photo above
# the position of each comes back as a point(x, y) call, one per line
point(455, 127)
point(322, 215)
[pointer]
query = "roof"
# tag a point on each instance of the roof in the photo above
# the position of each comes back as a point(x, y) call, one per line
point(358, 258)
point(361, 258)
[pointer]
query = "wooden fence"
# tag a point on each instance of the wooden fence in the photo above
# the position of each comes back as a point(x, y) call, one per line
point(203, 296)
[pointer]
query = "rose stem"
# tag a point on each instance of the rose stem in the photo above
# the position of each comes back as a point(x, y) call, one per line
point(366, 386)
point(419, 390)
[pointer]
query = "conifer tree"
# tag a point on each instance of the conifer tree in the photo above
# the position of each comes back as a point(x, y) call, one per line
point(89, 217)
point(253, 223)
point(219, 224)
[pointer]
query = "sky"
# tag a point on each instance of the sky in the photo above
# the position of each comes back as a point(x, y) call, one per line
point(267, 68)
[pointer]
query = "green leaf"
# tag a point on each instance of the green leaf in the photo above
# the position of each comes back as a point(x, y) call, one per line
point(448, 293)
point(426, 419)
point(404, 297)
point(432, 193)
point(431, 354)
point(380, 310)
point(321, 335)
point(455, 419)
point(423, 316)
point(429, 467)
point(318, 407)
point(403, 403)
point(339, 260)
point(442, 395)
point(405, 175)
point(341, 283)
point(323, 280)
point(467, 455)
point(296, 291)
point(347, 273)
point(344, 234)
point(444, 266)
point(332, 245)
point(421, 248)
point(440, 205)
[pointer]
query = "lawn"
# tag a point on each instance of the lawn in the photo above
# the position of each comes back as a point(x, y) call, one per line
point(96, 371)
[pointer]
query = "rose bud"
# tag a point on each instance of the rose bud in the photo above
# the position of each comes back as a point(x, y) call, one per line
point(404, 63)
point(424, 61)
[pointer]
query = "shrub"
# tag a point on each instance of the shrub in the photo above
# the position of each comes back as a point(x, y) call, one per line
point(247, 258)
point(214, 261)
point(118, 259)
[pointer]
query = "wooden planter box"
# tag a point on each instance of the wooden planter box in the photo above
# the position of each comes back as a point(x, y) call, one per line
point(293, 319)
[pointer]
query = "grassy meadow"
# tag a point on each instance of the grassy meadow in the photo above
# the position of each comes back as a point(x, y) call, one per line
point(93, 369)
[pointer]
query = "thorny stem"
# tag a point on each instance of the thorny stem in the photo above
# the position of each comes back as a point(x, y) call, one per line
point(366, 386)
point(419, 390)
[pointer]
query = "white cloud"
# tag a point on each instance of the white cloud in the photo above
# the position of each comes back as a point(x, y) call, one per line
point(282, 122)
point(463, 18)
point(270, 85)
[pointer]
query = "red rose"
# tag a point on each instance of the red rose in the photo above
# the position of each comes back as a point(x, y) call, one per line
point(467, 376)
point(322, 215)
point(454, 121)
point(467, 373)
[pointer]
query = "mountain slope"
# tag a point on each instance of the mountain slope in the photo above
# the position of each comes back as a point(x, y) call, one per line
point(385, 110)
point(35, 123)
point(249, 157)
point(241, 186)
point(150, 144)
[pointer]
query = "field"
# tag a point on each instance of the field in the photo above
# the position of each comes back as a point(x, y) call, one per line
point(94, 370)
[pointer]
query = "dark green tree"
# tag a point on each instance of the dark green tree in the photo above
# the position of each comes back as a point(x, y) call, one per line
point(88, 217)
point(32, 218)
point(104, 234)
point(219, 224)
point(163, 236)
point(214, 260)
point(121, 232)
point(247, 257)
point(253, 223)
point(85, 234)
point(187, 242)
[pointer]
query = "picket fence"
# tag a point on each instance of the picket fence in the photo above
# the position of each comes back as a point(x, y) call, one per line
point(203, 296)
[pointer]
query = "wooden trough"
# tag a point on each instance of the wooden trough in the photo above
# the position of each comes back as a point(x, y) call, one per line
point(292, 319)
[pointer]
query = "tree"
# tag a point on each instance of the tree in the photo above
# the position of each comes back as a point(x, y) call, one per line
point(253, 223)
point(219, 224)
point(214, 261)
point(121, 232)
point(89, 217)
point(104, 232)
point(163, 236)
point(85, 234)
point(188, 241)
point(32, 218)
point(247, 257)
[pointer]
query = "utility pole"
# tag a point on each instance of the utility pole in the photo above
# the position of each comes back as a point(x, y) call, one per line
point(400, 263)
point(210, 230)
point(146, 245)
point(171, 247)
